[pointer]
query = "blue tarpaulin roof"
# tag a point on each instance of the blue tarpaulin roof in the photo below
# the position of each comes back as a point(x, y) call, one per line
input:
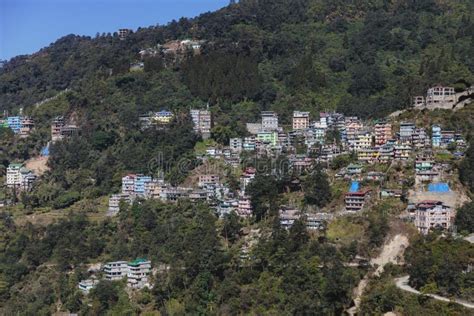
point(354, 186)
point(438, 187)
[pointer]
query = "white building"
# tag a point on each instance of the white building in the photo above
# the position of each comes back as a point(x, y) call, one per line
point(269, 121)
point(19, 177)
point(115, 270)
point(138, 272)
point(87, 285)
point(202, 120)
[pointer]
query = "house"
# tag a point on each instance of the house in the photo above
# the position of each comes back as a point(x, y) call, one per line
point(268, 138)
point(269, 121)
point(87, 285)
point(427, 176)
point(354, 169)
point(375, 176)
point(138, 272)
point(288, 216)
point(406, 132)
point(436, 136)
point(420, 139)
point(115, 270)
point(300, 120)
point(246, 178)
point(235, 145)
point(419, 101)
point(386, 193)
point(430, 214)
point(402, 152)
point(114, 202)
point(208, 179)
point(61, 130)
point(383, 132)
point(355, 201)
point(386, 153)
point(202, 120)
point(244, 209)
point(368, 154)
point(226, 207)
point(423, 163)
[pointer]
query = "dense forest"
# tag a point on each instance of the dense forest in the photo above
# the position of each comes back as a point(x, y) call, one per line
point(364, 58)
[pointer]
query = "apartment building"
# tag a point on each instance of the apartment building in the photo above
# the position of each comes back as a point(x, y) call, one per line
point(114, 202)
point(355, 201)
point(383, 132)
point(406, 132)
point(244, 209)
point(138, 272)
point(235, 145)
point(115, 270)
point(300, 120)
point(208, 179)
point(202, 120)
point(269, 121)
point(402, 152)
point(432, 214)
point(134, 184)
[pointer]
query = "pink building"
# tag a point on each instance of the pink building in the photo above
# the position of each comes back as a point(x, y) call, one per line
point(430, 214)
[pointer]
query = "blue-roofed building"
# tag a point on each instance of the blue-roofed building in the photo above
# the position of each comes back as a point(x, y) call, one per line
point(354, 186)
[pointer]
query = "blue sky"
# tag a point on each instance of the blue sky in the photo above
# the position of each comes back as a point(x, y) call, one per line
point(28, 25)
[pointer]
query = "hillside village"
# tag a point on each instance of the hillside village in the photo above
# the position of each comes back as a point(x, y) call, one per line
point(197, 170)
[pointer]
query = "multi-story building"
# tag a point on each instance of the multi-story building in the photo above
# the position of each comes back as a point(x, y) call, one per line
point(202, 120)
point(269, 121)
point(246, 178)
point(440, 96)
point(368, 154)
point(355, 201)
point(436, 136)
point(433, 214)
point(244, 208)
point(402, 152)
point(114, 202)
point(406, 132)
point(235, 145)
point(268, 137)
point(61, 130)
point(300, 120)
point(386, 153)
point(383, 132)
point(420, 139)
point(419, 101)
point(134, 184)
point(115, 270)
point(138, 272)
point(87, 285)
point(208, 179)
point(19, 177)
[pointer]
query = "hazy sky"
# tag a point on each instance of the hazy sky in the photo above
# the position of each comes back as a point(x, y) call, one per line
point(28, 25)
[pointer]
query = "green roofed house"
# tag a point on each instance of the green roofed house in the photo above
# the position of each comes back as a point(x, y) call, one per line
point(138, 272)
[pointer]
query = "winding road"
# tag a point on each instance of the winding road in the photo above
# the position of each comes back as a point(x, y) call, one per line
point(402, 284)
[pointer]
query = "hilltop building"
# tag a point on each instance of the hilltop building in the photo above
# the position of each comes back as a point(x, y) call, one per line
point(433, 214)
point(202, 120)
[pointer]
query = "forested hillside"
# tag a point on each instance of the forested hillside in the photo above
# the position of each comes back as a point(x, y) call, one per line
point(362, 57)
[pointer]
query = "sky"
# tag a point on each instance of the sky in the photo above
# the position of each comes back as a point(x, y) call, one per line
point(28, 25)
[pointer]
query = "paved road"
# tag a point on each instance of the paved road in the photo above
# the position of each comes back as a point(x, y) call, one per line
point(402, 283)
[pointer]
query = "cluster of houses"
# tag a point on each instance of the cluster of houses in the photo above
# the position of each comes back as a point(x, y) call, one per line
point(20, 125)
point(137, 273)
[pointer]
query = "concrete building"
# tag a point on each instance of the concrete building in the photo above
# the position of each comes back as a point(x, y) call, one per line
point(268, 137)
point(208, 179)
point(355, 201)
point(61, 130)
point(244, 208)
point(440, 97)
point(419, 101)
point(406, 132)
point(436, 136)
point(202, 120)
point(300, 120)
point(431, 214)
point(383, 132)
point(402, 152)
point(114, 202)
point(115, 270)
point(19, 177)
point(269, 121)
point(87, 285)
point(138, 272)
point(235, 145)
point(134, 184)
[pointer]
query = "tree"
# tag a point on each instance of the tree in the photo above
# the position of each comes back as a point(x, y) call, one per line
point(316, 188)
point(465, 218)
point(231, 227)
